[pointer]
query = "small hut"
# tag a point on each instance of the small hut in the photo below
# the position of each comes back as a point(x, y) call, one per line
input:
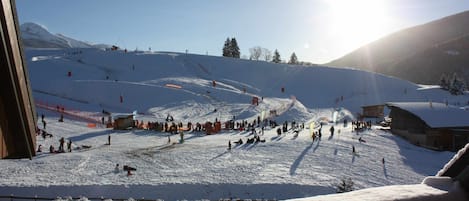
point(122, 122)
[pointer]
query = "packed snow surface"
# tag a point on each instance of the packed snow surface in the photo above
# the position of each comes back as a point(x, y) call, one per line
point(195, 88)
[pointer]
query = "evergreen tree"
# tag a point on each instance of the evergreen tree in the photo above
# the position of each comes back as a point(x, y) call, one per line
point(276, 58)
point(234, 49)
point(444, 81)
point(226, 48)
point(293, 59)
point(457, 85)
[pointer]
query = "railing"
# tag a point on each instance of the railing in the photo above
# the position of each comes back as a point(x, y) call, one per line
point(36, 198)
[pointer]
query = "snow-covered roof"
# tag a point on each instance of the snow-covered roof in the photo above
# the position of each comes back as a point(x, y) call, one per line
point(457, 164)
point(436, 115)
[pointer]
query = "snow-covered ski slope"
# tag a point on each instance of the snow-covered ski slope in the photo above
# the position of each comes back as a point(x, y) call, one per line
point(202, 168)
point(140, 78)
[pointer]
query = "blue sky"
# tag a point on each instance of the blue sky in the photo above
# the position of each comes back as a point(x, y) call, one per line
point(316, 30)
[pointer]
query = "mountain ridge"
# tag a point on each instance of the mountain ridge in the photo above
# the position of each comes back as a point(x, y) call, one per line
point(384, 55)
point(37, 36)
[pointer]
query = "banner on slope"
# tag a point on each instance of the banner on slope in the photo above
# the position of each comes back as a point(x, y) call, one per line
point(311, 127)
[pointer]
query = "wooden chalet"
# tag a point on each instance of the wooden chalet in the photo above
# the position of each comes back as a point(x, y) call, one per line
point(122, 122)
point(432, 125)
point(373, 111)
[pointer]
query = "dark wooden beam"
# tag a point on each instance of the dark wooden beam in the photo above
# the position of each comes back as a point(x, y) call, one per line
point(17, 119)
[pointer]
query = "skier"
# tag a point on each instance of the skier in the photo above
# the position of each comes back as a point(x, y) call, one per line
point(69, 146)
point(353, 149)
point(382, 160)
point(61, 147)
point(332, 130)
point(116, 169)
point(181, 135)
point(109, 139)
point(42, 117)
point(229, 144)
point(44, 124)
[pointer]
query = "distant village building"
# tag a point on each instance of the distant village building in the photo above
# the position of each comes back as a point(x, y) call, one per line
point(431, 125)
point(373, 111)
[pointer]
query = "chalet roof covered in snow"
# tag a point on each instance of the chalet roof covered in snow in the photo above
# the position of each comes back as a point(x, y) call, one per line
point(435, 115)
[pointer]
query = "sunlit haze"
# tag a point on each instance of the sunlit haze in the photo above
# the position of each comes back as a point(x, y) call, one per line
point(317, 31)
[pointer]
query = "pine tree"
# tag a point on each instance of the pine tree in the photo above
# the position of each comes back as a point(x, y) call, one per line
point(226, 48)
point(293, 59)
point(444, 81)
point(276, 58)
point(457, 85)
point(234, 48)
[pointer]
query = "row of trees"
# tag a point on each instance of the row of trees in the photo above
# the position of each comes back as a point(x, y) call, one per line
point(257, 53)
point(455, 85)
point(231, 49)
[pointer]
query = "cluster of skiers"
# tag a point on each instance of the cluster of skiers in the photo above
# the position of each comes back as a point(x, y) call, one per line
point(172, 127)
point(360, 125)
point(126, 168)
point(255, 139)
point(294, 126)
point(61, 148)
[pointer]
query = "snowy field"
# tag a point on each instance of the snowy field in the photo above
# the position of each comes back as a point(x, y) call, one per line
point(282, 167)
point(202, 167)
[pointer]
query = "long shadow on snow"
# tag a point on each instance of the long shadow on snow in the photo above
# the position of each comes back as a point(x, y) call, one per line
point(91, 135)
point(252, 146)
point(219, 155)
point(416, 157)
point(298, 160)
point(276, 138)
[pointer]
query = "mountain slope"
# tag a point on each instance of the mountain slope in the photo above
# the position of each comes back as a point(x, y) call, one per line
point(383, 54)
point(445, 58)
point(37, 36)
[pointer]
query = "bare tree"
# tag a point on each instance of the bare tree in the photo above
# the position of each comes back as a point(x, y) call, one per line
point(255, 52)
point(267, 54)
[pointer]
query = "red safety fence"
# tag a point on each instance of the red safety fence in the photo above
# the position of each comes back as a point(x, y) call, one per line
point(77, 114)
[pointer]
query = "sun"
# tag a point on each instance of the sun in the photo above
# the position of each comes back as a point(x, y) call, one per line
point(355, 23)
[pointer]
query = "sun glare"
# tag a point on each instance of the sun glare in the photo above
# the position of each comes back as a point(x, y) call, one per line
point(355, 23)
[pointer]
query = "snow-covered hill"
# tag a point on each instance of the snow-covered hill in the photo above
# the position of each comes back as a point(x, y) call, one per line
point(100, 78)
point(200, 88)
